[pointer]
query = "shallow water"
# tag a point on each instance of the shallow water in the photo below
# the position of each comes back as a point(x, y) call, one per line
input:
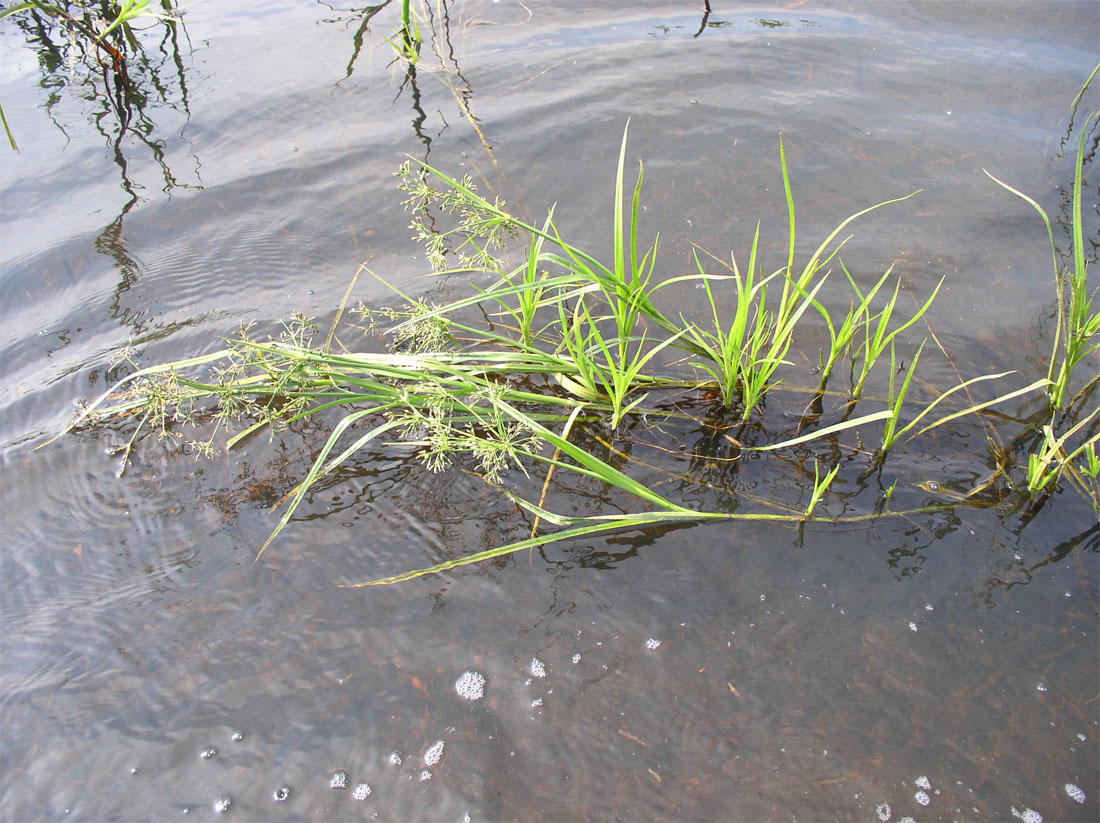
point(943, 666)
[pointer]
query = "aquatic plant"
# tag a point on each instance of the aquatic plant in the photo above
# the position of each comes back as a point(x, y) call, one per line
point(572, 345)
point(1076, 338)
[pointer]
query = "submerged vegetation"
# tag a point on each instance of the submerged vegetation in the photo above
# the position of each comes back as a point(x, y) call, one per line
point(565, 354)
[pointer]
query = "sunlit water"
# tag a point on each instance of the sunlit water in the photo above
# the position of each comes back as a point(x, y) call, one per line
point(935, 668)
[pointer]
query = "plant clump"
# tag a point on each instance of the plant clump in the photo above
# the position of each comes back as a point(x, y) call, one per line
point(574, 345)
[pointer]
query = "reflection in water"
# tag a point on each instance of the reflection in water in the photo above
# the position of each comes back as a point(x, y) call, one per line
point(133, 83)
point(125, 79)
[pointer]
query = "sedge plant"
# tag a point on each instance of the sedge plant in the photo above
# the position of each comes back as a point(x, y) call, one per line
point(581, 343)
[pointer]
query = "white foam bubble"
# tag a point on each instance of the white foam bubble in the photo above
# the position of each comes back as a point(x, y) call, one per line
point(208, 753)
point(1075, 793)
point(222, 804)
point(362, 792)
point(883, 811)
point(536, 702)
point(922, 798)
point(339, 780)
point(1041, 687)
point(653, 644)
point(433, 754)
point(471, 685)
point(537, 667)
point(923, 782)
point(576, 658)
point(1027, 815)
point(425, 776)
point(281, 794)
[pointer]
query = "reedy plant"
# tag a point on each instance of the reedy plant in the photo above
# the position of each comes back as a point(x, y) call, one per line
point(1076, 339)
point(455, 389)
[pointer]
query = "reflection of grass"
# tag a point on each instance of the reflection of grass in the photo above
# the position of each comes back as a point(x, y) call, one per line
point(97, 36)
point(570, 346)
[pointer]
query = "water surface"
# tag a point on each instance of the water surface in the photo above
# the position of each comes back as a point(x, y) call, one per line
point(938, 667)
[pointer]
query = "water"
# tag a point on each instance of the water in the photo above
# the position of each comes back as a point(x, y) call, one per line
point(786, 679)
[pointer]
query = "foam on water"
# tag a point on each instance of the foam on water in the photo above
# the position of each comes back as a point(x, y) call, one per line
point(339, 780)
point(923, 782)
point(1027, 815)
point(208, 753)
point(222, 804)
point(237, 737)
point(922, 797)
point(395, 758)
point(433, 754)
point(538, 668)
point(471, 685)
point(652, 644)
point(362, 791)
point(1075, 792)
point(883, 811)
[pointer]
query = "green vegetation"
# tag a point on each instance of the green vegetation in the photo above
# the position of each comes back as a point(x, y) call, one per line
point(570, 350)
point(1076, 338)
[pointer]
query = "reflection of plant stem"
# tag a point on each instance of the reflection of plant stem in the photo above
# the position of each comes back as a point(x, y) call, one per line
point(421, 116)
point(706, 16)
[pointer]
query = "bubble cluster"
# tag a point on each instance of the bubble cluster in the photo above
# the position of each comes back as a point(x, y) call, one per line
point(395, 758)
point(538, 668)
point(362, 792)
point(536, 702)
point(281, 794)
point(222, 804)
point(1027, 815)
point(576, 658)
point(1075, 793)
point(471, 685)
point(208, 753)
point(883, 811)
point(923, 782)
point(425, 776)
point(922, 797)
point(339, 780)
point(653, 644)
point(433, 754)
